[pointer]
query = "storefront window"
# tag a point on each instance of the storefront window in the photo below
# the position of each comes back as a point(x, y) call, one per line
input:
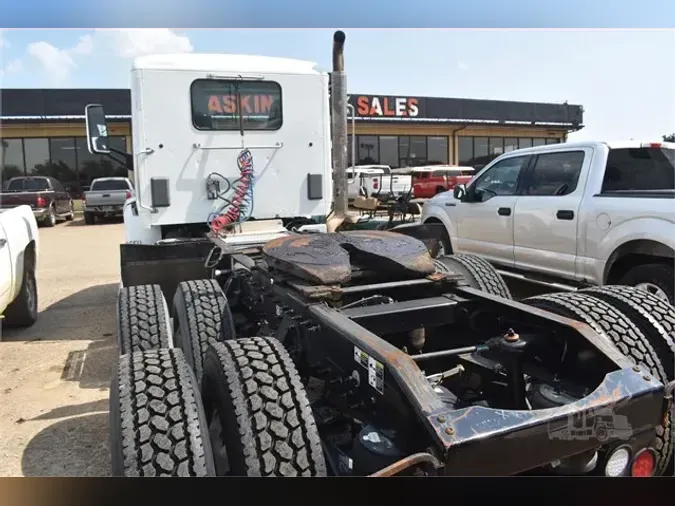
point(66, 159)
point(368, 150)
point(465, 147)
point(63, 166)
point(481, 152)
point(37, 155)
point(496, 146)
point(438, 150)
point(524, 142)
point(538, 142)
point(552, 140)
point(389, 150)
point(510, 144)
point(418, 151)
point(11, 159)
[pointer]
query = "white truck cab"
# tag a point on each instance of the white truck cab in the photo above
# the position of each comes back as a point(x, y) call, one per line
point(192, 116)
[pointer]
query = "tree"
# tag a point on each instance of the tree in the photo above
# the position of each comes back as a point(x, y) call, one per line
point(669, 137)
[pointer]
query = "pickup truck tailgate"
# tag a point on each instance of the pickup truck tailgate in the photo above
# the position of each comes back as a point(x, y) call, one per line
point(10, 200)
point(400, 183)
point(105, 198)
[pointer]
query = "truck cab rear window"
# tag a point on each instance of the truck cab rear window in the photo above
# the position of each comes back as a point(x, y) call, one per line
point(639, 169)
point(28, 185)
point(219, 104)
point(109, 186)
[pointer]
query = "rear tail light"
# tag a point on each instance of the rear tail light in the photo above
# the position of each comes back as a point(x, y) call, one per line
point(84, 199)
point(618, 462)
point(40, 201)
point(128, 195)
point(376, 184)
point(644, 464)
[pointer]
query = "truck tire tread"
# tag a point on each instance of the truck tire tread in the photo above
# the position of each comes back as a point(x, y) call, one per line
point(202, 313)
point(142, 319)
point(157, 421)
point(255, 389)
point(477, 271)
point(653, 316)
point(617, 327)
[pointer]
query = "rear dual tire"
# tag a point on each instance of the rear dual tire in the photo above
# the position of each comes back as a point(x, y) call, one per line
point(201, 313)
point(476, 271)
point(157, 424)
point(260, 420)
point(143, 321)
point(639, 325)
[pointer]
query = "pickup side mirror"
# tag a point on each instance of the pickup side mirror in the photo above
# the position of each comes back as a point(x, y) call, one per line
point(97, 130)
point(459, 191)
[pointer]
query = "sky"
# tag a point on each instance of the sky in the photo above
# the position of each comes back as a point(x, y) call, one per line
point(624, 79)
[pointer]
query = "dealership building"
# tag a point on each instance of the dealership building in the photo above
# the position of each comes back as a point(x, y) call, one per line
point(43, 131)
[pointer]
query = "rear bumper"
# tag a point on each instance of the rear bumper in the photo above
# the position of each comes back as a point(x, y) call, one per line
point(623, 411)
point(115, 209)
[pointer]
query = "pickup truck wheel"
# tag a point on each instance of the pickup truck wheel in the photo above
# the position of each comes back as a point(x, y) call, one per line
point(202, 313)
point(657, 279)
point(445, 244)
point(50, 220)
point(23, 311)
point(157, 423)
point(477, 271)
point(142, 319)
point(89, 219)
point(260, 420)
point(625, 333)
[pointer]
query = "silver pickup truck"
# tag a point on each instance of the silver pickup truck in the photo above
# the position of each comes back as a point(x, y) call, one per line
point(570, 215)
point(106, 198)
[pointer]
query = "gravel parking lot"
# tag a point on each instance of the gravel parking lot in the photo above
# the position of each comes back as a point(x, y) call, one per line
point(55, 376)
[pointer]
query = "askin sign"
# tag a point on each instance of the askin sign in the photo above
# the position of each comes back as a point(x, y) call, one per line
point(250, 104)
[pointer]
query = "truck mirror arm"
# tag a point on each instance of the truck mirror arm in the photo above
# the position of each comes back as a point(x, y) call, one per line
point(127, 160)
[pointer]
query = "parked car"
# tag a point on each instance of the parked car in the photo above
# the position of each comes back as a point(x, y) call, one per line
point(570, 215)
point(106, 198)
point(45, 195)
point(429, 181)
point(19, 241)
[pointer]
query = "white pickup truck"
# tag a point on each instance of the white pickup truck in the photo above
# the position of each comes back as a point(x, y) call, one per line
point(376, 181)
point(19, 241)
point(570, 215)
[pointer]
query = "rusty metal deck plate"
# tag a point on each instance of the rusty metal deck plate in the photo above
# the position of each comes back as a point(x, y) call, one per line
point(328, 258)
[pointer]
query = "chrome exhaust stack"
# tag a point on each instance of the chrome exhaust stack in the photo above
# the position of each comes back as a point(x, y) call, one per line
point(338, 133)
